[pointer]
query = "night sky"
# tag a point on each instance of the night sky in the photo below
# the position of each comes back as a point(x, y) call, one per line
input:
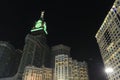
point(73, 23)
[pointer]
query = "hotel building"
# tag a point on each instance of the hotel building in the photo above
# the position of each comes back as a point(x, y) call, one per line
point(108, 39)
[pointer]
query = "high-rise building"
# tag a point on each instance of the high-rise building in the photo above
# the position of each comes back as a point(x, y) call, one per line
point(36, 51)
point(7, 56)
point(35, 73)
point(59, 49)
point(61, 67)
point(108, 39)
point(65, 67)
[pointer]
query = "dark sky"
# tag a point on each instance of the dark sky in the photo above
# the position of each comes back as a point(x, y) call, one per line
point(71, 22)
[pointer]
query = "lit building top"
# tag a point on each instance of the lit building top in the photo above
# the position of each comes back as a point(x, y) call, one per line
point(61, 49)
point(40, 24)
point(60, 46)
point(114, 11)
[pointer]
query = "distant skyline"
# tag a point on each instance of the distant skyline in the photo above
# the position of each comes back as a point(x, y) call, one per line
point(72, 23)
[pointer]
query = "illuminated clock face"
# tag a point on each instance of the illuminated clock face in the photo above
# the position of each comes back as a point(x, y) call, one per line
point(38, 24)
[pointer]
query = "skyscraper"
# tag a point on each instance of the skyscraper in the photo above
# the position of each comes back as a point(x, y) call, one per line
point(7, 56)
point(108, 39)
point(36, 51)
point(60, 55)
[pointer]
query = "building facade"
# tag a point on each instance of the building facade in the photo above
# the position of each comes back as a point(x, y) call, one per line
point(75, 70)
point(34, 73)
point(61, 67)
point(108, 39)
point(66, 68)
point(79, 70)
point(83, 70)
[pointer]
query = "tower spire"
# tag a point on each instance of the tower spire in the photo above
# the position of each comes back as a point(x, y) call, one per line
point(42, 15)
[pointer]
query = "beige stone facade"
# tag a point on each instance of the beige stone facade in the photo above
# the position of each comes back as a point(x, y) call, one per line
point(34, 73)
point(68, 69)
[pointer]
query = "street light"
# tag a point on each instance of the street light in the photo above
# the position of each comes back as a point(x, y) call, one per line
point(109, 70)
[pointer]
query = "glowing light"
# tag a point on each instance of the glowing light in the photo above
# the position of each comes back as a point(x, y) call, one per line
point(36, 29)
point(109, 70)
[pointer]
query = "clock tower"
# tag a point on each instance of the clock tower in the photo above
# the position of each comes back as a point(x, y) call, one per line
point(36, 51)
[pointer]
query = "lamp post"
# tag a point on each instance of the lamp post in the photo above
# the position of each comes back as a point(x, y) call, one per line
point(108, 70)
